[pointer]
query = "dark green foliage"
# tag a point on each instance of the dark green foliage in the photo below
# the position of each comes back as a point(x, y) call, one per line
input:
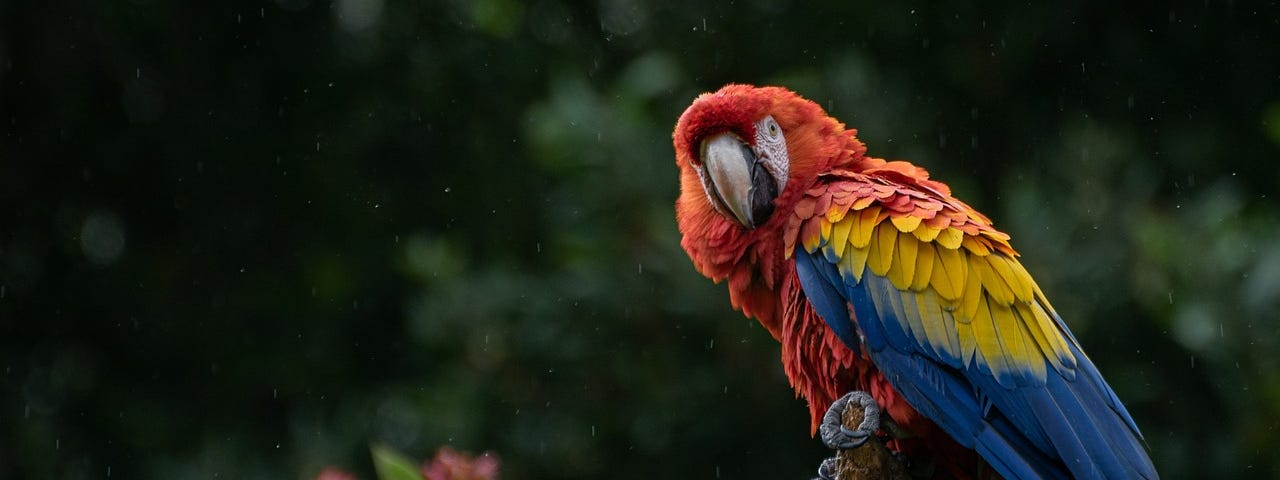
point(247, 240)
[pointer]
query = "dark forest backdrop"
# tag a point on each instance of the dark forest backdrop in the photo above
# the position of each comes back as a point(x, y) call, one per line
point(247, 239)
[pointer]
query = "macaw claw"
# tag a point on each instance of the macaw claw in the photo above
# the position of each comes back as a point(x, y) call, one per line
point(839, 437)
point(827, 470)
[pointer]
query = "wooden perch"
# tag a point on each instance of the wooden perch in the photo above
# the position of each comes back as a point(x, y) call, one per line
point(872, 460)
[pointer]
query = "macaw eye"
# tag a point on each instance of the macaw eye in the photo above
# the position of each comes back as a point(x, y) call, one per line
point(773, 128)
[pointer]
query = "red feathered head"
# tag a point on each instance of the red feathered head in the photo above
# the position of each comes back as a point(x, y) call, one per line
point(745, 155)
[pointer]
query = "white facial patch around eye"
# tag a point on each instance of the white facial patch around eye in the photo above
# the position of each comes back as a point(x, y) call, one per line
point(771, 148)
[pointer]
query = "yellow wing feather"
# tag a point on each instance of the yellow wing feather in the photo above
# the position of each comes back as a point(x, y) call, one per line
point(825, 234)
point(973, 295)
point(990, 351)
point(950, 238)
point(905, 263)
point(949, 272)
point(975, 246)
point(926, 233)
point(882, 250)
point(1013, 345)
point(857, 261)
point(934, 322)
point(866, 222)
point(840, 235)
point(906, 223)
point(924, 266)
point(1034, 321)
point(993, 284)
point(1052, 334)
point(1018, 283)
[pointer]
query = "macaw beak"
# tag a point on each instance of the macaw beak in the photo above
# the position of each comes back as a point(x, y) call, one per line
point(736, 181)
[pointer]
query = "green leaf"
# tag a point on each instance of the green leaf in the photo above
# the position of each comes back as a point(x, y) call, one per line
point(391, 465)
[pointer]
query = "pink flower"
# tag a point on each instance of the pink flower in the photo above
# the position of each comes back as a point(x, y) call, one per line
point(452, 465)
point(335, 473)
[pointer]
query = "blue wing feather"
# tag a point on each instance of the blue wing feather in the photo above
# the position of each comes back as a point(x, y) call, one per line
point(1067, 427)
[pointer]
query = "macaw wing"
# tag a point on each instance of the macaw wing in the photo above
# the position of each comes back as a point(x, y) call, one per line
point(959, 328)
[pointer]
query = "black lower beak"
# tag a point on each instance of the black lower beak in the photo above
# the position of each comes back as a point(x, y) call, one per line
point(764, 189)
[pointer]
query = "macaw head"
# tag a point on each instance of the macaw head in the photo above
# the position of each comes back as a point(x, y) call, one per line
point(746, 154)
point(739, 153)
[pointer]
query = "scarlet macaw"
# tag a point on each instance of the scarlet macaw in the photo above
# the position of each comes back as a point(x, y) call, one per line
point(873, 277)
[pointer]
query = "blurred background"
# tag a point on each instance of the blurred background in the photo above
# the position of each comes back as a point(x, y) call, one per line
point(249, 239)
